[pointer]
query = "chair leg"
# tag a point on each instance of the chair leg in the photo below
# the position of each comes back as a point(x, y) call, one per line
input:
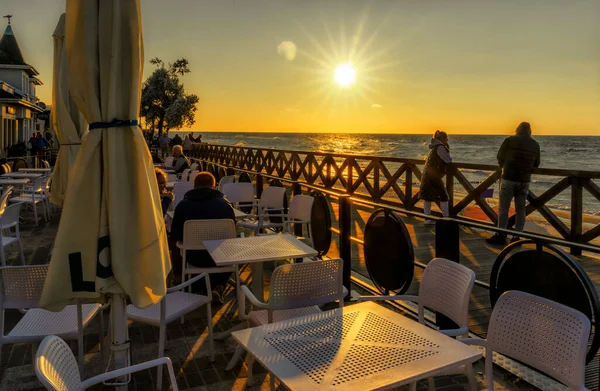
point(431, 383)
point(3, 256)
point(20, 251)
point(412, 386)
point(211, 342)
point(271, 381)
point(35, 214)
point(471, 376)
point(101, 335)
point(161, 352)
point(250, 364)
point(239, 352)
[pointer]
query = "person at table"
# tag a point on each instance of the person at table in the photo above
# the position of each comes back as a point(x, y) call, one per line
point(203, 202)
point(180, 162)
point(166, 197)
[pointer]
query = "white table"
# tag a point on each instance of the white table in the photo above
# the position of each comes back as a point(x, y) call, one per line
point(358, 347)
point(34, 170)
point(256, 250)
point(8, 181)
point(27, 175)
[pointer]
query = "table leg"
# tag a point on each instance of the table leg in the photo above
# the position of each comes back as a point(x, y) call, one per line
point(258, 282)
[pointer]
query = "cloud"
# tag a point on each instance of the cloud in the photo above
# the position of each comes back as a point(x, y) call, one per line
point(287, 49)
point(376, 106)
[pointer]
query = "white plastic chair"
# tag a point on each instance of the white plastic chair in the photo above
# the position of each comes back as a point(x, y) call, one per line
point(8, 220)
point(296, 290)
point(173, 306)
point(193, 175)
point(225, 180)
point(168, 161)
point(179, 190)
point(194, 233)
point(171, 178)
point(300, 213)
point(540, 333)
point(240, 194)
point(185, 175)
point(194, 166)
point(56, 368)
point(21, 288)
point(446, 288)
point(271, 204)
point(34, 195)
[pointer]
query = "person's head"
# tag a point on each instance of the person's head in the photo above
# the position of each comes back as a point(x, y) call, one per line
point(187, 137)
point(161, 179)
point(205, 179)
point(524, 128)
point(38, 135)
point(177, 150)
point(440, 135)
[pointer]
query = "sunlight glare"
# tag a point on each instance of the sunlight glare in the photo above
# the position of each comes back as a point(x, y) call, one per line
point(344, 75)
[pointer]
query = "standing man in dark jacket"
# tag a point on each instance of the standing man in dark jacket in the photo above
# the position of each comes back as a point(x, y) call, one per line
point(518, 156)
point(201, 203)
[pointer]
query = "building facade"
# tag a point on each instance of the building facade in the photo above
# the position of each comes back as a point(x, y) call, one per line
point(19, 105)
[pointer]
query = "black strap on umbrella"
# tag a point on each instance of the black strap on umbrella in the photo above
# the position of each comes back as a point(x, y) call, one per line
point(115, 123)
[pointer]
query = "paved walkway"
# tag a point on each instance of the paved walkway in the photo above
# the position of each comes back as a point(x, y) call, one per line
point(186, 343)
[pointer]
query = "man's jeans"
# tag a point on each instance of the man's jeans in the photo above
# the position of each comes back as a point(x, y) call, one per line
point(508, 190)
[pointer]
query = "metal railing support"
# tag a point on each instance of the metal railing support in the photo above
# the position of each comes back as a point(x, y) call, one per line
point(345, 245)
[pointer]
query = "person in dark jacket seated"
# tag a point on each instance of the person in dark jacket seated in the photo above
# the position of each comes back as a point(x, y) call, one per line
point(201, 203)
point(180, 162)
point(517, 157)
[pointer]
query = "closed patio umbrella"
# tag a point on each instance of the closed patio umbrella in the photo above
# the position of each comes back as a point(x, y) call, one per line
point(67, 121)
point(111, 240)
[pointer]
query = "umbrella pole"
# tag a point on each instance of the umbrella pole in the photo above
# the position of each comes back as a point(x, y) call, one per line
point(120, 340)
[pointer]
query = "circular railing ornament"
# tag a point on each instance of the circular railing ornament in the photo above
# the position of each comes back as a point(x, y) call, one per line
point(320, 223)
point(388, 251)
point(547, 271)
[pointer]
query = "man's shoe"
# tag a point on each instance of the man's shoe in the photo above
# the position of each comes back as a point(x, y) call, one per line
point(497, 239)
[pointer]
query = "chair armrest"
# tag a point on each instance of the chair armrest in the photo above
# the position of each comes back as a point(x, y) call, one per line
point(128, 370)
point(455, 332)
point(396, 297)
point(345, 291)
point(255, 302)
point(179, 245)
point(474, 341)
point(187, 283)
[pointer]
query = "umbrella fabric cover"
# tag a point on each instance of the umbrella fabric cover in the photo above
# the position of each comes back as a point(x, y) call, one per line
point(111, 237)
point(67, 121)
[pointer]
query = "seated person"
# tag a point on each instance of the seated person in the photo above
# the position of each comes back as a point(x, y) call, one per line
point(200, 203)
point(166, 197)
point(180, 162)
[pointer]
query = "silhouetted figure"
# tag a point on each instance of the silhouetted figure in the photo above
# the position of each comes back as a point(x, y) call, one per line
point(432, 186)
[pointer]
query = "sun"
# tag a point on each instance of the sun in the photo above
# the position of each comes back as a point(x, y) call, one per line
point(344, 75)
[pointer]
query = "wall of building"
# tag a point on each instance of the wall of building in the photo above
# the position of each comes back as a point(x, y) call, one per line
point(14, 77)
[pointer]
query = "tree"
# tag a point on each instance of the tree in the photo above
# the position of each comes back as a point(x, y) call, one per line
point(165, 104)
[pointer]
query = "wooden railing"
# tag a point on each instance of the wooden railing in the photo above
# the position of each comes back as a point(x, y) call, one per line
point(394, 181)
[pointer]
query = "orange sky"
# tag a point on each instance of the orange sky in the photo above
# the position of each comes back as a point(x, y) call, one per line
point(465, 66)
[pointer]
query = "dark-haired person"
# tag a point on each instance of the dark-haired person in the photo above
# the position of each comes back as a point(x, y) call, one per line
point(432, 186)
point(166, 197)
point(517, 157)
point(203, 202)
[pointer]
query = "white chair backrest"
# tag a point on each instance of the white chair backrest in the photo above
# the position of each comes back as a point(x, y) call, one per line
point(446, 287)
point(225, 180)
point(169, 161)
point(193, 175)
point(196, 231)
point(171, 178)
point(179, 190)
point(306, 284)
point(301, 208)
point(10, 216)
point(194, 166)
point(38, 184)
point(546, 335)
point(56, 366)
point(46, 164)
point(272, 197)
point(185, 174)
point(21, 286)
point(241, 192)
point(4, 199)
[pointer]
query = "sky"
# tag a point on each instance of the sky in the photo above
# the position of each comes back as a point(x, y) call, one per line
point(463, 66)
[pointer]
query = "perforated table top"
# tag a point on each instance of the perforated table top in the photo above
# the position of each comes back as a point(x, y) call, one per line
point(360, 347)
point(257, 249)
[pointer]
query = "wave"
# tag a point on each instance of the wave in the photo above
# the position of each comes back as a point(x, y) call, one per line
point(240, 143)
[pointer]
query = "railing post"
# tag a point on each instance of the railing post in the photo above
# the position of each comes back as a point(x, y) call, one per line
point(259, 185)
point(345, 246)
point(447, 245)
point(450, 187)
point(297, 190)
point(408, 186)
point(350, 177)
point(576, 212)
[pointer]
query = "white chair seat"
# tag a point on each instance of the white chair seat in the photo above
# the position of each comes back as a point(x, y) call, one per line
point(29, 199)
point(6, 240)
point(259, 318)
point(177, 304)
point(38, 322)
